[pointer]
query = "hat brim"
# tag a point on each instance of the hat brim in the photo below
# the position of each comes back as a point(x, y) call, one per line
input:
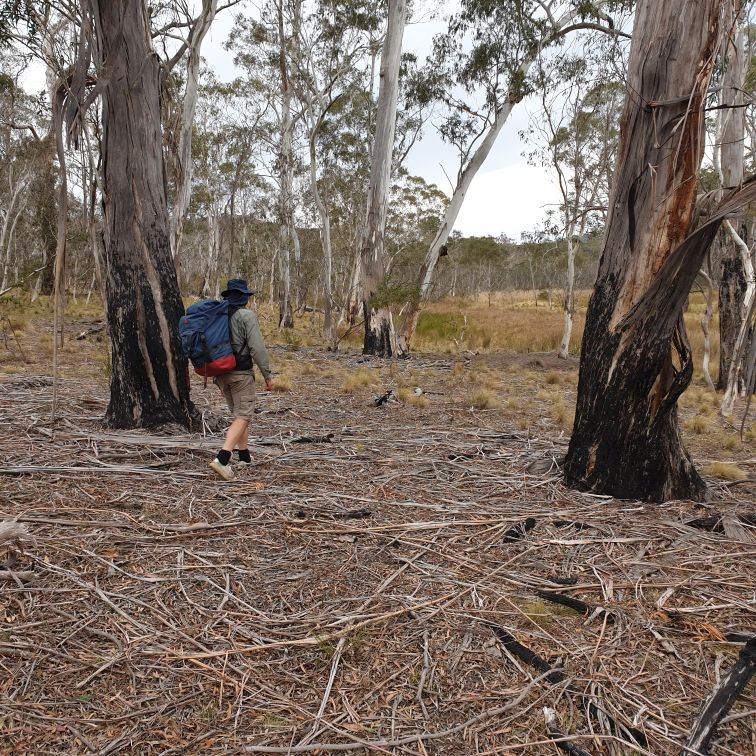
point(247, 292)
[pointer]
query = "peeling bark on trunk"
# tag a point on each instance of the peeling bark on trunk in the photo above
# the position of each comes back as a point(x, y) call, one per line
point(569, 301)
point(733, 282)
point(286, 166)
point(149, 384)
point(636, 361)
point(380, 338)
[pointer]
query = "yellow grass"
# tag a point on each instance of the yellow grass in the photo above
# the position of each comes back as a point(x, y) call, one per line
point(483, 399)
point(725, 470)
point(356, 380)
point(418, 401)
point(282, 383)
point(698, 424)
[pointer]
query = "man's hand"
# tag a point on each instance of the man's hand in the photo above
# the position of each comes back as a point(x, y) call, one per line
point(269, 384)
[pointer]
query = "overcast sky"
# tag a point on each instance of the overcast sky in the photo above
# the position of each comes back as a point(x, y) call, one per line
point(507, 196)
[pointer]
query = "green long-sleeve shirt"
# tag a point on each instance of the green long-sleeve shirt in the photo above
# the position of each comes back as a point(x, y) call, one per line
point(246, 337)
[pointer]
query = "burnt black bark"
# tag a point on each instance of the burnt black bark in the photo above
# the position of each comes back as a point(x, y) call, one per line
point(149, 384)
point(635, 358)
point(378, 337)
point(721, 699)
point(732, 288)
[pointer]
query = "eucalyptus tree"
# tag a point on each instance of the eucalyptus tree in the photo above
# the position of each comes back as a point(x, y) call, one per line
point(380, 337)
point(115, 60)
point(180, 17)
point(478, 72)
point(576, 133)
point(636, 359)
point(344, 162)
point(16, 166)
point(264, 48)
point(737, 286)
point(327, 55)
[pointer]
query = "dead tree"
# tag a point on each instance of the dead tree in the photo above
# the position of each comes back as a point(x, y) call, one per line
point(636, 360)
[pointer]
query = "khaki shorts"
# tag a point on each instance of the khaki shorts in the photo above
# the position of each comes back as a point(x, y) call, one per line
point(238, 390)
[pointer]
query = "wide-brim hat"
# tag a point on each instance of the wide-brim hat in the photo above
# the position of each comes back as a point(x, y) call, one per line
point(237, 285)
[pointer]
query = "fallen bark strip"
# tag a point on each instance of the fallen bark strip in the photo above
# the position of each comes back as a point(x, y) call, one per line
point(518, 531)
point(327, 439)
point(313, 640)
point(720, 701)
point(17, 577)
point(554, 728)
point(104, 470)
point(572, 603)
point(557, 676)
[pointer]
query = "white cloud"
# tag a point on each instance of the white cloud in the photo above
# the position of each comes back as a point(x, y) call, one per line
point(507, 200)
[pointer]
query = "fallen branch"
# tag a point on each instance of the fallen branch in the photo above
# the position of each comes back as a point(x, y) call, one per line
point(720, 700)
point(557, 676)
point(572, 603)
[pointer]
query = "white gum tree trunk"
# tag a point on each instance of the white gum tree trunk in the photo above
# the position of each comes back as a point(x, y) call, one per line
point(184, 157)
point(380, 337)
point(736, 375)
point(569, 301)
point(465, 177)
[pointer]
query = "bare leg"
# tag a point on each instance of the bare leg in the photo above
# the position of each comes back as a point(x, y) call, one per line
point(236, 435)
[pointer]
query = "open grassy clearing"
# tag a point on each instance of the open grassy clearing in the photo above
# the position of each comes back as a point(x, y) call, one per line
point(348, 588)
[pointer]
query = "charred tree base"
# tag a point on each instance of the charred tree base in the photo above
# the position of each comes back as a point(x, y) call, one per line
point(128, 411)
point(380, 339)
point(652, 466)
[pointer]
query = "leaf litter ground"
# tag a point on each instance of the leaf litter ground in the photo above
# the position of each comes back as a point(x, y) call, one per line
point(368, 585)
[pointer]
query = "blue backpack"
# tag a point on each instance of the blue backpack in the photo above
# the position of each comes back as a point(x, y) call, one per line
point(206, 338)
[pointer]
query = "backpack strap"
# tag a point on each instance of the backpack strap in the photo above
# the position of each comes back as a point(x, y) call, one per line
point(232, 310)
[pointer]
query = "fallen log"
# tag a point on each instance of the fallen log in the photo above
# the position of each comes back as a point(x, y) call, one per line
point(720, 701)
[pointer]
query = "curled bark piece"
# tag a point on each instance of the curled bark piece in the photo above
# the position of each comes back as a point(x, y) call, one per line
point(572, 603)
point(720, 701)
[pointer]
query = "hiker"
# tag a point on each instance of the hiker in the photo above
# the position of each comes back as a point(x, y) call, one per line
point(238, 386)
